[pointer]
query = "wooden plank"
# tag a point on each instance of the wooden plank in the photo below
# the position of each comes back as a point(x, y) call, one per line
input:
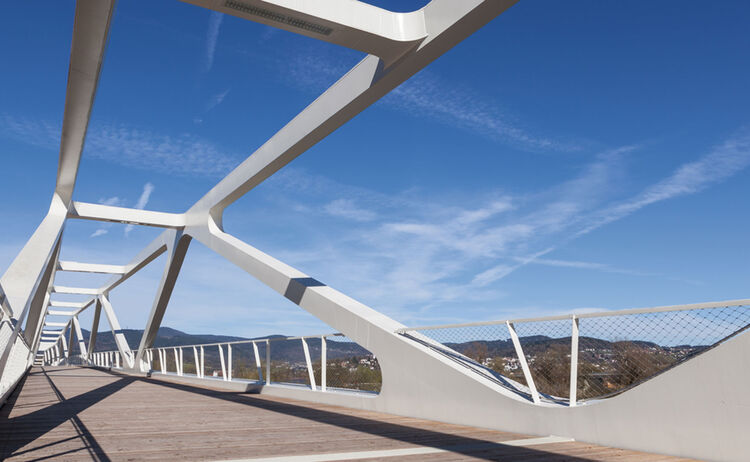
point(87, 414)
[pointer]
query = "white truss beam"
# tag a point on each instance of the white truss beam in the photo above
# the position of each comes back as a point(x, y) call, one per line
point(75, 290)
point(79, 336)
point(90, 31)
point(114, 324)
point(149, 253)
point(60, 313)
point(351, 24)
point(99, 212)
point(177, 246)
point(73, 266)
point(59, 304)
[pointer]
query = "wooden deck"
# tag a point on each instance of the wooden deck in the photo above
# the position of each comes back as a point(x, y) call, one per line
point(85, 414)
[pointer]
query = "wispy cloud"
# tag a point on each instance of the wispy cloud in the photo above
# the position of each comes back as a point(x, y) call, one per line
point(724, 161)
point(148, 188)
point(212, 38)
point(584, 265)
point(347, 208)
point(216, 99)
point(184, 154)
point(427, 95)
point(418, 255)
point(99, 232)
point(727, 159)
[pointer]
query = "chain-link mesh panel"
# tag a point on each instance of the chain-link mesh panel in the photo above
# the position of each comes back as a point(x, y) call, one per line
point(546, 346)
point(349, 366)
point(155, 362)
point(6, 329)
point(618, 352)
point(288, 363)
point(170, 361)
point(244, 366)
point(16, 365)
point(614, 352)
point(486, 349)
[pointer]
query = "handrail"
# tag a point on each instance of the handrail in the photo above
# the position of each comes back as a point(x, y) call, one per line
point(598, 314)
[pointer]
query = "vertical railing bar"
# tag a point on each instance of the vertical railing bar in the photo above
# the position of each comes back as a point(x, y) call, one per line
point(176, 361)
point(524, 364)
point(323, 363)
point(182, 363)
point(257, 362)
point(310, 373)
point(268, 362)
point(203, 363)
point(573, 362)
point(229, 361)
point(223, 364)
point(197, 362)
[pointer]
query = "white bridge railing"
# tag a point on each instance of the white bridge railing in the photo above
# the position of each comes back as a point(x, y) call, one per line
point(564, 360)
point(569, 359)
point(350, 367)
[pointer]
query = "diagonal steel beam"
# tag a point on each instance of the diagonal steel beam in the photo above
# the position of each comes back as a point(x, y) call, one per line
point(114, 324)
point(94, 327)
point(177, 249)
point(79, 336)
point(90, 31)
point(448, 22)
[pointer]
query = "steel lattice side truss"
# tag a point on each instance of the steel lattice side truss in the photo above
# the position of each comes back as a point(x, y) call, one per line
point(398, 46)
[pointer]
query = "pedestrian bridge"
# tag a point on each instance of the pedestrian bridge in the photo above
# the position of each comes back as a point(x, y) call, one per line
point(667, 380)
point(75, 413)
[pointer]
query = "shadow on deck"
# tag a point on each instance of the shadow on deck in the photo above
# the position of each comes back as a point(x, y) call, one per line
point(88, 414)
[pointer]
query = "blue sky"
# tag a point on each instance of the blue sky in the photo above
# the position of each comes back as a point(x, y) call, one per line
point(568, 156)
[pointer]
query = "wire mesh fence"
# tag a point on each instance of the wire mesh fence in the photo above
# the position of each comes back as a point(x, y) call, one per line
point(288, 363)
point(486, 349)
point(350, 366)
point(546, 346)
point(616, 351)
point(244, 364)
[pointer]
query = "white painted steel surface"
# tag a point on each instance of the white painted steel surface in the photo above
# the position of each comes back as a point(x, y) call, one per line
point(698, 409)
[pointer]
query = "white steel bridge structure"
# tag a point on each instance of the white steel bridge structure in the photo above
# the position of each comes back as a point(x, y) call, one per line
point(695, 405)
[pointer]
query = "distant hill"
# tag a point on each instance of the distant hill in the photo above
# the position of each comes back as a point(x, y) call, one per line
point(290, 350)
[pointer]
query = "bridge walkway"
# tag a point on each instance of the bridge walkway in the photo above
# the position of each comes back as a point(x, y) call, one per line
point(78, 413)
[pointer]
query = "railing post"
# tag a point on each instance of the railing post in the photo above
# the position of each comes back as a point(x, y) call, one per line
point(182, 363)
point(176, 361)
point(223, 364)
point(257, 362)
point(117, 360)
point(524, 364)
point(323, 363)
point(203, 363)
point(310, 372)
point(197, 362)
point(268, 362)
point(163, 360)
point(574, 362)
point(229, 361)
